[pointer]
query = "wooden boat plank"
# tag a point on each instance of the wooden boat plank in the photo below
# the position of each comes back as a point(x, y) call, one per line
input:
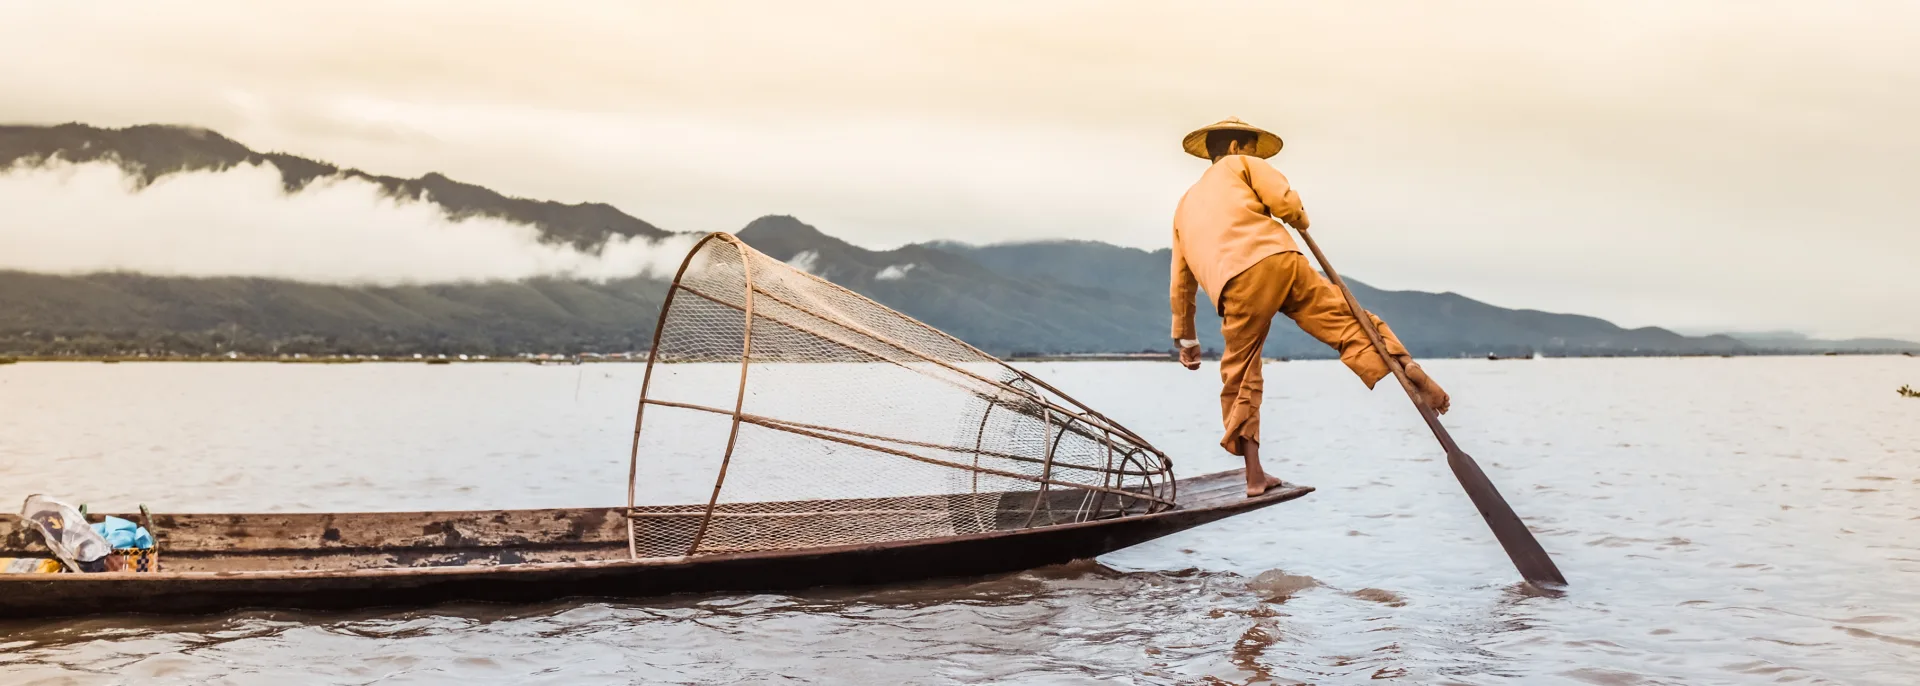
point(236, 533)
point(259, 532)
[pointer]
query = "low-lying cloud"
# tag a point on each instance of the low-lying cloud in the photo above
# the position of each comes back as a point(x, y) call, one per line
point(65, 218)
point(807, 261)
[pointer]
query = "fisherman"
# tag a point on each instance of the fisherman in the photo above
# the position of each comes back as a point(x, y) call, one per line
point(1228, 239)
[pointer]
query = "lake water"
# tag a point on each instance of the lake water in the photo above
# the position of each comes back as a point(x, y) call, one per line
point(1746, 520)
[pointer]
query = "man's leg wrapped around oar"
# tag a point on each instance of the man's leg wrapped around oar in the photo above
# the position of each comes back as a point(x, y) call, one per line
point(1283, 283)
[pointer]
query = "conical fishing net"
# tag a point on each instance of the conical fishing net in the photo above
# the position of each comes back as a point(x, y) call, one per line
point(819, 417)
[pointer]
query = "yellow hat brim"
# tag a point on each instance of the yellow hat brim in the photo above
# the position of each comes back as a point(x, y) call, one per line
point(1266, 146)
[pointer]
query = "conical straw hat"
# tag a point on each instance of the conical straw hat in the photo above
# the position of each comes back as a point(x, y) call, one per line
point(1268, 144)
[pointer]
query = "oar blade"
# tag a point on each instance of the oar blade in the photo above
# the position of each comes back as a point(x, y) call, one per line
point(1525, 551)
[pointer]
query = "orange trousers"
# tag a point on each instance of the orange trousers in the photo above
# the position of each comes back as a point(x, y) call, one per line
point(1284, 283)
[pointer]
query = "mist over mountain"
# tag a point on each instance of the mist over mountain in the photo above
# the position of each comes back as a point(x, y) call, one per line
point(152, 152)
point(570, 278)
point(115, 314)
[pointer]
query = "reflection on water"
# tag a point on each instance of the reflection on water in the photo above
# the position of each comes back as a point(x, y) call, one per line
point(1722, 521)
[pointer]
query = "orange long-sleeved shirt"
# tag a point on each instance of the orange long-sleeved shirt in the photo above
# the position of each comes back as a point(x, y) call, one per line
point(1225, 224)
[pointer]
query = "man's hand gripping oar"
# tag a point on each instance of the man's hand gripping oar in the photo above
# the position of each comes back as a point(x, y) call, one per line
point(1531, 559)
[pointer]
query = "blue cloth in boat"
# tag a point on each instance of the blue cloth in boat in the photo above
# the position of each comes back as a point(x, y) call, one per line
point(121, 533)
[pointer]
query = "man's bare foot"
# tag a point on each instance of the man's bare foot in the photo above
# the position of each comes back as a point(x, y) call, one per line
point(1430, 391)
point(1257, 479)
point(1270, 480)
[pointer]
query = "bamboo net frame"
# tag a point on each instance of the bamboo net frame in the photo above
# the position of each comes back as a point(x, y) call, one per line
point(865, 425)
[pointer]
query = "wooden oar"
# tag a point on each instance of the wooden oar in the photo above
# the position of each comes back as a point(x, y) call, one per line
point(1532, 560)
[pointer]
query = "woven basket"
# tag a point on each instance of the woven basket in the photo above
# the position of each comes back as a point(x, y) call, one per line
point(140, 560)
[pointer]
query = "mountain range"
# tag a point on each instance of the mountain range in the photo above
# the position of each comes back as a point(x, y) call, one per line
point(1045, 297)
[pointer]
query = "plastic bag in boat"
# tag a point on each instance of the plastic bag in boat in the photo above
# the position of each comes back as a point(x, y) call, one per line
point(69, 537)
point(121, 533)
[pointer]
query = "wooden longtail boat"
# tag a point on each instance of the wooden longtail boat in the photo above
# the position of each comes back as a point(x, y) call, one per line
point(858, 446)
point(215, 562)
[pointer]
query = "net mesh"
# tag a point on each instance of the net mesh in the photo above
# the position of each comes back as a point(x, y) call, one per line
point(830, 419)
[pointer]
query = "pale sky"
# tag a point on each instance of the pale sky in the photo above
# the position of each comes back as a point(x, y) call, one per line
point(1741, 165)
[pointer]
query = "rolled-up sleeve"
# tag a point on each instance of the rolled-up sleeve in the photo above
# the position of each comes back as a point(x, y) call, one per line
point(1182, 291)
point(1275, 192)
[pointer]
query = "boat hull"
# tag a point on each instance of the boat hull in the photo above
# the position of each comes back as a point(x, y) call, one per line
point(1213, 497)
